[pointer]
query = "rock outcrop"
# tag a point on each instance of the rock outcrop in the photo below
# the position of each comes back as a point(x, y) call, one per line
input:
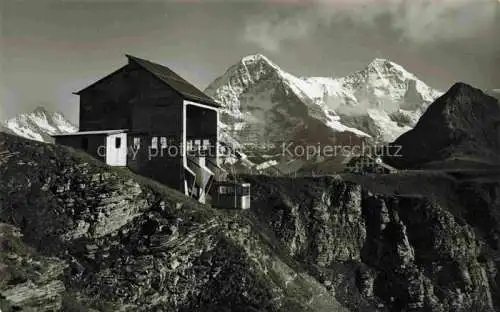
point(460, 129)
point(378, 251)
point(27, 279)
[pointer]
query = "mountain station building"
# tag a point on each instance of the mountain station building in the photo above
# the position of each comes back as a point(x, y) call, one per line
point(146, 117)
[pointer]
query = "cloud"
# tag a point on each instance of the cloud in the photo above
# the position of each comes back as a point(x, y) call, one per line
point(270, 33)
point(418, 21)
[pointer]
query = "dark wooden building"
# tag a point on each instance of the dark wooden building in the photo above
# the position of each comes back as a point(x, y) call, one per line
point(363, 164)
point(149, 119)
point(231, 194)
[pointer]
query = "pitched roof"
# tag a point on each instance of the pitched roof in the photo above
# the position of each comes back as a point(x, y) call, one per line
point(170, 78)
point(175, 81)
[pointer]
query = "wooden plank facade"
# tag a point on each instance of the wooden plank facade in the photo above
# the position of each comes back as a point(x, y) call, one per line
point(166, 123)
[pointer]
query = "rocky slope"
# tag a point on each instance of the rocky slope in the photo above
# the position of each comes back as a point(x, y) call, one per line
point(97, 238)
point(38, 125)
point(28, 279)
point(460, 129)
point(129, 244)
point(262, 101)
point(433, 247)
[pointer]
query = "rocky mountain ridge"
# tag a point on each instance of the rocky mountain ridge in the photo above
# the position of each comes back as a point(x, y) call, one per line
point(460, 129)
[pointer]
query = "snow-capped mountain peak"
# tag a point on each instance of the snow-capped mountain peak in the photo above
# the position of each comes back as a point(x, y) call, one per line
point(380, 72)
point(385, 66)
point(381, 100)
point(39, 125)
point(250, 69)
point(239, 78)
point(382, 63)
point(388, 86)
point(255, 59)
point(40, 110)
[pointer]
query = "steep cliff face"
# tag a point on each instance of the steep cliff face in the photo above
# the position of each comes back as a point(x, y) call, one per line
point(376, 251)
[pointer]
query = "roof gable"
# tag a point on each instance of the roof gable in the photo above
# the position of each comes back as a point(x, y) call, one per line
point(116, 72)
point(166, 76)
point(176, 82)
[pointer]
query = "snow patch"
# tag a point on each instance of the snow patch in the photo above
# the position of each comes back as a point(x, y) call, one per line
point(266, 164)
point(390, 129)
point(335, 124)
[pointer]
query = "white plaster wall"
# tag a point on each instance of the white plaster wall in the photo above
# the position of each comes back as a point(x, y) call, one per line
point(116, 156)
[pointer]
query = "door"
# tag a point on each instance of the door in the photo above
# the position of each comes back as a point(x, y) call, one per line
point(116, 149)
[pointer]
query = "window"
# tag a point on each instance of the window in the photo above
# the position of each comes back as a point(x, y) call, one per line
point(189, 145)
point(163, 142)
point(118, 142)
point(225, 190)
point(244, 190)
point(206, 144)
point(154, 142)
point(197, 143)
point(137, 143)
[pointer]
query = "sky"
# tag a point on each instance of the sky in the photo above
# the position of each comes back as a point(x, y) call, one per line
point(51, 48)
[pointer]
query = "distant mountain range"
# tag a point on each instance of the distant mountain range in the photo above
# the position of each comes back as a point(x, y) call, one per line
point(38, 125)
point(264, 102)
